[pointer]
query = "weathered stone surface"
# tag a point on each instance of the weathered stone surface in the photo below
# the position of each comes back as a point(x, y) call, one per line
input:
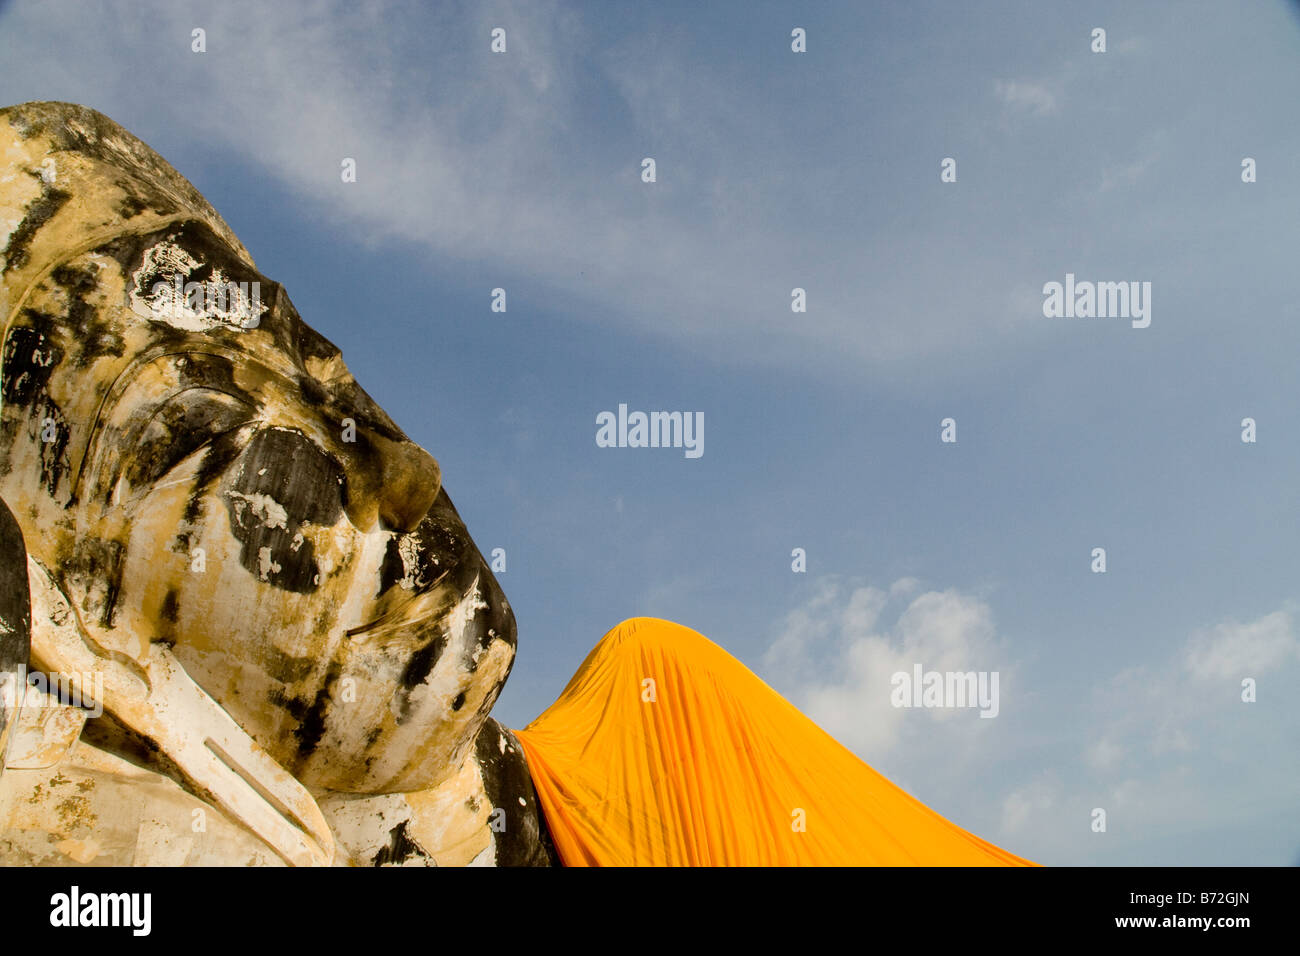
point(230, 547)
point(15, 627)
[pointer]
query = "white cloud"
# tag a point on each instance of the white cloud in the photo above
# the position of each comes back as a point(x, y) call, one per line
point(1177, 711)
point(1232, 651)
point(1104, 754)
point(1040, 796)
point(904, 587)
point(1128, 172)
point(1027, 96)
point(835, 658)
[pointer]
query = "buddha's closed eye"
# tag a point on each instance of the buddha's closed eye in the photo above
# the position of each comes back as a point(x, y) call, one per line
point(187, 422)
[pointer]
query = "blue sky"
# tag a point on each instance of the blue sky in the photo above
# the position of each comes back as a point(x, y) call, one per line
point(817, 170)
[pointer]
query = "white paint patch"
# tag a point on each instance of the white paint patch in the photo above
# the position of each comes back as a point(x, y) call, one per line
point(444, 683)
point(265, 507)
point(408, 549)
point(265, 565)
point(7, 227)
point(193, 306)
point(464, 612)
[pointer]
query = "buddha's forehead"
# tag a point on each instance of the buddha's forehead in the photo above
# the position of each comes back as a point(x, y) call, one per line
point(184, 288)
point(109, 336)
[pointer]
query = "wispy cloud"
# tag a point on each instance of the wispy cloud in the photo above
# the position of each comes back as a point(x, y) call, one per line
point(1129, 172)
point(1152, 745)
point(1234, 651)
point(1164, 751)
point(504, 161)
point(1027, 96)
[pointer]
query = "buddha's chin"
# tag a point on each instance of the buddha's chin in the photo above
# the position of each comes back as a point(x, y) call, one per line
point(409, 692)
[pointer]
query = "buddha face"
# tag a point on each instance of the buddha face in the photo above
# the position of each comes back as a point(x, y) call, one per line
point(205, 472)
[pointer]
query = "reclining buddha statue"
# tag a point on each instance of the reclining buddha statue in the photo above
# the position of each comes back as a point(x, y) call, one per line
point(241, 622)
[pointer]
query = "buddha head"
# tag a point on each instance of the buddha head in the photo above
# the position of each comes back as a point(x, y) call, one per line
point(194, 466)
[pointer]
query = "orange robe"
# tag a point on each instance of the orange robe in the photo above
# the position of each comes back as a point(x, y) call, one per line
point(664, 750)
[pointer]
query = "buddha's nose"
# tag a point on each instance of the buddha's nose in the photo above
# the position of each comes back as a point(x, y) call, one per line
point(393, 481)
point(411, 481)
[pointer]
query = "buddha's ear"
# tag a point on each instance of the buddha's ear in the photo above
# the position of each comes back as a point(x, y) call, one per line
point(15, 625)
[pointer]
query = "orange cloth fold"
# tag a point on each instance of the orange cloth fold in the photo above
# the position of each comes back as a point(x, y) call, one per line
point(665, 750)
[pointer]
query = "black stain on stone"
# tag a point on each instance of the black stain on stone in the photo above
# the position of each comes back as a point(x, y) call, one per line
point(171, 608)
point(312, 392)
point(287, 668)
point(216, 460)
point(95, 571)
point(392, 569)
point(311, 727)
point(54, 434)
point(180, 428)
point(401, 847)
point(112, 581)
point(284, 469)
point(169, 616)
point(309, 714)
point(498, 617)
point(417, 670)
point(76, 280)
point(37, 214)
point(216, 372)
point(106, 732)
point(440, 541)
point(310, 344)
point(525, 839)
point(133, 203)
point(95, 337)
point(15, 601)
point(30, 358)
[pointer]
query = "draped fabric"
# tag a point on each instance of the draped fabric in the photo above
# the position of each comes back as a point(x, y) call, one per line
point(665, 750)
